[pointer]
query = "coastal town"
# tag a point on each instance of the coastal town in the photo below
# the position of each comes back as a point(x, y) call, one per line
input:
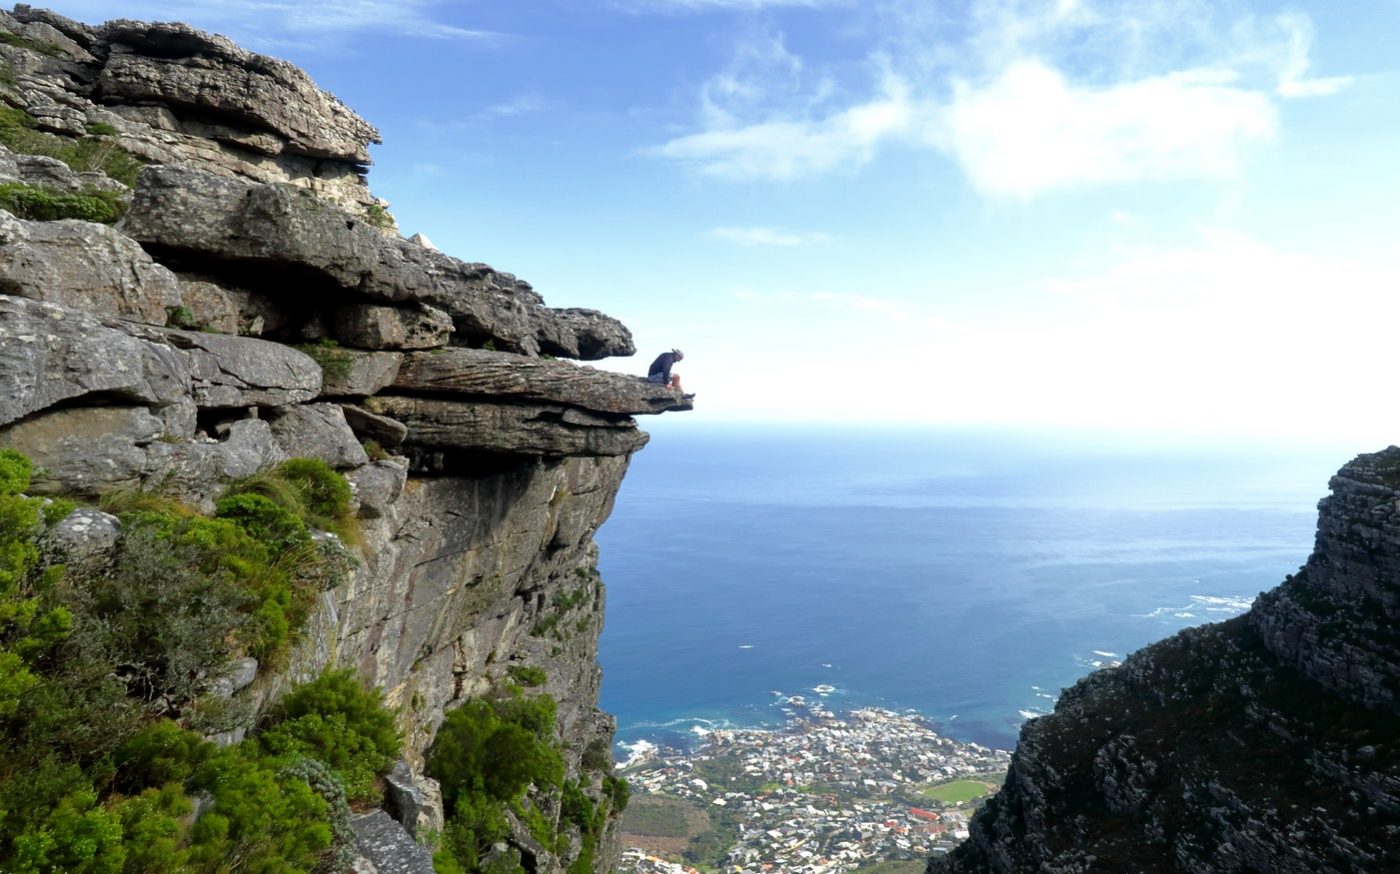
point(824, 794)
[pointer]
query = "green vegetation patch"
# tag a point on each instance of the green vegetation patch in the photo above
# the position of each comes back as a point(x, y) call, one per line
point(956, 792)
point(101, 679)
point(337, 721)
point(46, 204)
point(334, 361)
point(43, 47)
point(100, 153)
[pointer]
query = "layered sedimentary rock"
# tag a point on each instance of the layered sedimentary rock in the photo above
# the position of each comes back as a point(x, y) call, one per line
point(171, 94)
point(1269, 743)
point(247, 309)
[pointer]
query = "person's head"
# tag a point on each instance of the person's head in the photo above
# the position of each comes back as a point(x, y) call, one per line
point(678, 353)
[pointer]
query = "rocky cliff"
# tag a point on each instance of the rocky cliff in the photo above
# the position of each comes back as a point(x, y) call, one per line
point(1268, 743)
point(254, 303)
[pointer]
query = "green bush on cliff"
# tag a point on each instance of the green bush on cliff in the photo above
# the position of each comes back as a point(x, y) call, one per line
point(45, 204)
point(309, 489)
point(17, 132)
point(98, 676)
point(337, 721)
point(487, 753)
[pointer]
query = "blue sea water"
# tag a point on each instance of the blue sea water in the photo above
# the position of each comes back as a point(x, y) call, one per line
point(969, 577)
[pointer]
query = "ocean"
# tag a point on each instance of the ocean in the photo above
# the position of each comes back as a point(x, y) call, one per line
point(965, 576)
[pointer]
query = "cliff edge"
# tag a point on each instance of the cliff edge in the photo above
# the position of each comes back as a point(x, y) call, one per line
point(1268, 743)
point(196, 285)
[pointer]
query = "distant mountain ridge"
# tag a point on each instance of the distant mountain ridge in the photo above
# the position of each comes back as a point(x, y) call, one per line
point(1268, 743)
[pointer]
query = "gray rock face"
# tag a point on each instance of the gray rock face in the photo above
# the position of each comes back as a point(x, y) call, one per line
point(50, 355)
point(1247, 746)
point(201, 214)
point(387, 846)
point(186, 69)
point(175, 95)
point(84, 266)
point(479, 373)
point(378, 327)
point(477, 548)
point(318, 431)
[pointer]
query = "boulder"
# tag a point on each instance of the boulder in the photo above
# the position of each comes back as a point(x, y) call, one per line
point(84, 266)
point(378, 485)
point(381, 429)
point(50, 355)
point(233, 371)
point(356, 373)
point(84, 541)
point(369, 326)
point(209, 307)
point(85, 450)
point(415, 801)
point(317, 431)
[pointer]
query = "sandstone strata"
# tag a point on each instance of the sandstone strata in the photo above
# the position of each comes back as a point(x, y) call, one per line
point(171, 94)
point(249, 308)
point(1264, 744)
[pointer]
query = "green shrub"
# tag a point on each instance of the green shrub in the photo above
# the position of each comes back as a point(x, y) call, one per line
point(264, 817)
point(336, 720)
point(90, 153)
point(46, 204)
point(167, 615)
point(527, 675)
point(335, 363)
point(486, 754)
point(308, 488)
point(264, 520)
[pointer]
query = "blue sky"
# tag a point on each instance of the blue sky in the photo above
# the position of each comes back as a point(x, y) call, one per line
point(1169, 215)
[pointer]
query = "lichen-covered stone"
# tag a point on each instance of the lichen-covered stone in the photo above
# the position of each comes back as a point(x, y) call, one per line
point(84, 266)
point(317, 431)
point(379, 327)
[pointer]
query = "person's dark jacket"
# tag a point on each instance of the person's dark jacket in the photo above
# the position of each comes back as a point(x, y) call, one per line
point(662, 365)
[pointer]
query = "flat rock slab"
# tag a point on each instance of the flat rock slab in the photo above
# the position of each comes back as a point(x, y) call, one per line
point(480, 373)
point(388, 846)
point(195, 212)
point(513, 429)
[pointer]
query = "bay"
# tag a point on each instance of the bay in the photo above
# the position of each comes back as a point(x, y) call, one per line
point(967, 576)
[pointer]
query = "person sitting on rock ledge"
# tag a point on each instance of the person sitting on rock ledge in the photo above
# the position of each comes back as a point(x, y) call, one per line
point(660, 372)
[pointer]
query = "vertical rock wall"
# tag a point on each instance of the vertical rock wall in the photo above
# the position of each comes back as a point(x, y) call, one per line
point(253, 305)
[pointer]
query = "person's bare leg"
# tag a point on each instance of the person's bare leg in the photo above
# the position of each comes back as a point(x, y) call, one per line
point(676, 381)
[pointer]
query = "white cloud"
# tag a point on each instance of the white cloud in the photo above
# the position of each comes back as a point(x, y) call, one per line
point(787, 148)
point(1031, 131)
point(1032, 96)
point(768, 237)
point(1293, 79)
point(284, 22)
